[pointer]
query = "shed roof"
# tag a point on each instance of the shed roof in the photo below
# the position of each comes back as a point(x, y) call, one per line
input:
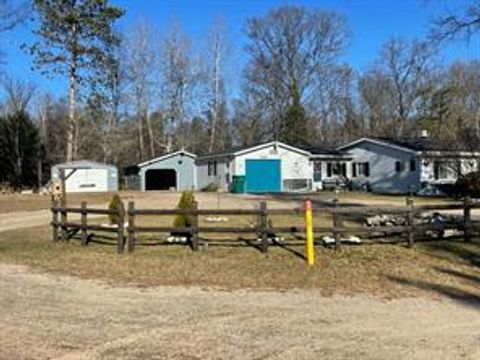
point(165, 157)
point(84, 164)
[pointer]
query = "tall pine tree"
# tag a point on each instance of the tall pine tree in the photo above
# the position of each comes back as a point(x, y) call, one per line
point(75, 38)
point(294, 129)
point(19, 150)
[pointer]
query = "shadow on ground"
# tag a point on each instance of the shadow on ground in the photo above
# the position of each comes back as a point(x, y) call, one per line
point(458, 278)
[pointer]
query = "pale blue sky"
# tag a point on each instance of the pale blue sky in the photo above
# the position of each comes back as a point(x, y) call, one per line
point(372, 22)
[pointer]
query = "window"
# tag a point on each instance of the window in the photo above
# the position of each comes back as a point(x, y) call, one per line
point(399, 166)
point(212, 168)
point(363, 169)
point(336, 169)
point(317, 171)
point(354, 170)
point(443, 170)
point(413, 165)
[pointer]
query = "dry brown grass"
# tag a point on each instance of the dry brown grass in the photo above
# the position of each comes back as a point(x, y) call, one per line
point(386, 270)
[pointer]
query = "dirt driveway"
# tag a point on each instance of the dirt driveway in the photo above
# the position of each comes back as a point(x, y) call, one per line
point(45, 316)
point(32, 218)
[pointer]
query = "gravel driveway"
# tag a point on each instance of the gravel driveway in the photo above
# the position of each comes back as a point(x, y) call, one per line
point(46, 316)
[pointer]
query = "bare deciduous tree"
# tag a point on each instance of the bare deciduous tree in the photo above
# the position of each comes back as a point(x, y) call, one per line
point(288, 49)
point(12, 15)
point(19, 94)
point(178, 78)
point(215, 64)
point(139, 71)
point(457, 24)
point(394, 86)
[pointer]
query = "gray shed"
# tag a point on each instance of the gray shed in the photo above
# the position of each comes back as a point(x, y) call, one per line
point(87, 176)
point(173, 171)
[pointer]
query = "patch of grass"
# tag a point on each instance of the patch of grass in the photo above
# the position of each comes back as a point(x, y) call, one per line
point(370, 269)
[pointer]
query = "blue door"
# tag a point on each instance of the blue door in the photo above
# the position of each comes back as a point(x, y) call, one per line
point(263, 176)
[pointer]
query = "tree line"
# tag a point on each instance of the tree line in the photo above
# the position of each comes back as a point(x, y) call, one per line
point(133, 95)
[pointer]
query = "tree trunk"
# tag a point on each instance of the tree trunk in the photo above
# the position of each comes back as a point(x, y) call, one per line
point(168, 147)
point(39, 173)
point(151, 137)
point(216, 97)
point(140, 138)
point(18, 162)
point(72, 104)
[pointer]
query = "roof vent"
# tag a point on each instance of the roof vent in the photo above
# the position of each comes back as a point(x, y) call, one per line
point(424, 134)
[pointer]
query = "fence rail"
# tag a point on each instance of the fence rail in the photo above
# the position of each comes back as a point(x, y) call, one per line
point(127, 231)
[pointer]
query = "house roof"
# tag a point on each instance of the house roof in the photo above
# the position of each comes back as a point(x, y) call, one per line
point(321, 150)
point(417, 144)
point(166, 156)
point(235, 151)
point(413, 145)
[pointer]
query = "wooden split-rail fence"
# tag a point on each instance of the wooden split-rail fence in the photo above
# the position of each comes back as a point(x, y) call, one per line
point(127, 232)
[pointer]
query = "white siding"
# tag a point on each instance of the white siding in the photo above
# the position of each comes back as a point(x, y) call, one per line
point(89, 176)
point(87, 180)
point(428, 172)
point(295, 165)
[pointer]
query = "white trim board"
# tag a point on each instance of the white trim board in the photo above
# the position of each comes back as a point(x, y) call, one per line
point(166, 156)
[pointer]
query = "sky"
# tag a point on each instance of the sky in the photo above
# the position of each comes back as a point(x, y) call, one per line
point(371, 22)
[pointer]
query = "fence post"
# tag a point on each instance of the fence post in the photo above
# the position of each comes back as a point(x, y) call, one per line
point(84, 223)
point(63, 221)
point(194, 233)
point(120, 235)
point(263, 226)
point(55, 220)
point(336, 223)
point(310, 248)
point(410, 225)
point(467, 219)
point(131, 227)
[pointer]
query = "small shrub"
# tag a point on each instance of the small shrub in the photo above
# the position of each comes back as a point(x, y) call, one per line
point(115, 204)
point(187, 201)
point(212, 187)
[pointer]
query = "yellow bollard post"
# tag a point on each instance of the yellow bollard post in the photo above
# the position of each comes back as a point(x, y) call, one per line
point(310, 249)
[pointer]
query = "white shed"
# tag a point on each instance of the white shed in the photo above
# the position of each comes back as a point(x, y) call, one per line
point(87, 176)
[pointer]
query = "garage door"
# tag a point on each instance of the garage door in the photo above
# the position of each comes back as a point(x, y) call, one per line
point(263, 176)
point(160, 179)
point(87, 180)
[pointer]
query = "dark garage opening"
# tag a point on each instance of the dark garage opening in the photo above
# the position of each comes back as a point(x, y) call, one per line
point(160, 179)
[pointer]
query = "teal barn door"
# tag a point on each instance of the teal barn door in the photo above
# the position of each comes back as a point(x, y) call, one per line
point(263, 176)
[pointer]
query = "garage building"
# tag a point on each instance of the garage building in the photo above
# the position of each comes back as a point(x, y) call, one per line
point(173, 171)
point(266, 168)
point(87, 176)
